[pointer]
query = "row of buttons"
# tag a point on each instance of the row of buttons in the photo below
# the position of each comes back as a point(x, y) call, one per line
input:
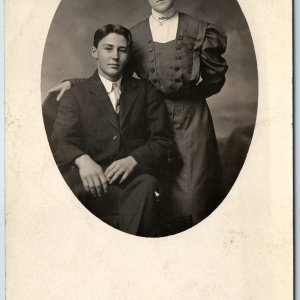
point(151, 59)
point(155, 80)
point(178, 46)
point(152, 69)
point(177, 57)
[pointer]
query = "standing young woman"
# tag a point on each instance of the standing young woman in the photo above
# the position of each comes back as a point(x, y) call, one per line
point(181, 57)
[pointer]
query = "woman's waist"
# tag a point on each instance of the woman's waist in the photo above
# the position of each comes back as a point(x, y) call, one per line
point(188, 92)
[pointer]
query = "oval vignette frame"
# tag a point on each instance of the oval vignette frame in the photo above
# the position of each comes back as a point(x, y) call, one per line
point(67, 55)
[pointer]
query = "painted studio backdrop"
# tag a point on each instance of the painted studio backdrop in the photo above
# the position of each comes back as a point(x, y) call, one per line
point(67, 55)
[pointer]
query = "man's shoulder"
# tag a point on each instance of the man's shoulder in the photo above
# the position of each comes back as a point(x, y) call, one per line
point(137, 82)
point(141, 86)
point(84, 84)
point(88, 80)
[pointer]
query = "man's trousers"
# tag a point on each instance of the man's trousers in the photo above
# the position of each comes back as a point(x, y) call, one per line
point(133, 206)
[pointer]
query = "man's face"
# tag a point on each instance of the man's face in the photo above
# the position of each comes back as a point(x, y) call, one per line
point(161, 5)
point(112, 54)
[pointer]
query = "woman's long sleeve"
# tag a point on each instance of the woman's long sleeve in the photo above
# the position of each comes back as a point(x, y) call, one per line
point(213, 65)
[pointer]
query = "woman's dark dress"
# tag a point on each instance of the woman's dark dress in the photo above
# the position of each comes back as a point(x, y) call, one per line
point(175, 68)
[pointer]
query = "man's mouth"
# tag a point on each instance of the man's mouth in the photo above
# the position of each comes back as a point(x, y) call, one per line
point(114, 65)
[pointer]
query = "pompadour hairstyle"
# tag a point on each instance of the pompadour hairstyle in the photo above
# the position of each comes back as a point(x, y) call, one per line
point(112, 28)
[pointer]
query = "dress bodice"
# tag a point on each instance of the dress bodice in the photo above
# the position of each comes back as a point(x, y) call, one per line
point(176, 67)
point(165, 61)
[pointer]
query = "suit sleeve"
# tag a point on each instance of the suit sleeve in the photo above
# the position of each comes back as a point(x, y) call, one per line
point(66, 136)
point(156, 151)
point(213, 65)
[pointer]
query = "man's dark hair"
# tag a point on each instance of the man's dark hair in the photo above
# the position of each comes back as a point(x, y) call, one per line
point(112, 28)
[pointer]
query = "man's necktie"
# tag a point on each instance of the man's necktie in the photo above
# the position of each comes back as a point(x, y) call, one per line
point(117, 93)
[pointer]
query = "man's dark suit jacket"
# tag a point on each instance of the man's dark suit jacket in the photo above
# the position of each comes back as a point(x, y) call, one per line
point(86, 123)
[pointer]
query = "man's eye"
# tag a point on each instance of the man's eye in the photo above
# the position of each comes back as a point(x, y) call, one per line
point(107, 48)
point(123, 50)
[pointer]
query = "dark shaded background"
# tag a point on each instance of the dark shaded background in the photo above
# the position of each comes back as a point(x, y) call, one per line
point(67, 55)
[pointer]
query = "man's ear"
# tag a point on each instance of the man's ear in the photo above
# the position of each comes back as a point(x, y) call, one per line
point(94, 52)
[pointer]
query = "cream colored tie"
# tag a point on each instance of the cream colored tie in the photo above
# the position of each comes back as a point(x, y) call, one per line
point(117, 93)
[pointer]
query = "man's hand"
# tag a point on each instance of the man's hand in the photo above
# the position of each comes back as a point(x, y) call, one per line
point(120, 168)
point(62, 87)
point(92, 175)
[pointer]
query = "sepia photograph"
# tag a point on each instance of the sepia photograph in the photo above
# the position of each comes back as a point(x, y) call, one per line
point(159, 152)
point(149, 149)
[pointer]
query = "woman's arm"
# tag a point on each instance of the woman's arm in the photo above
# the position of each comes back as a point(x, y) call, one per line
point(64, 86)
point(213, 65)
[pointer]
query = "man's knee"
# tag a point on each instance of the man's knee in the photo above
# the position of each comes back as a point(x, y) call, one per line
point(148, 181)
point(73, 180)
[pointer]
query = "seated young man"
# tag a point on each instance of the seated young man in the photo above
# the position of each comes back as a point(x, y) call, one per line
point(111, 135)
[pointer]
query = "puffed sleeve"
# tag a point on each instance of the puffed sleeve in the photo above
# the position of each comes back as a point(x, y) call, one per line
point(213, 65)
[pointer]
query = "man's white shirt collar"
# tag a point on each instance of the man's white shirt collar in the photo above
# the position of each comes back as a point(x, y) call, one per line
point(108, 84)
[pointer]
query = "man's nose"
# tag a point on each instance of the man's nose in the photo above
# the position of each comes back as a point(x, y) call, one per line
point(115, 54)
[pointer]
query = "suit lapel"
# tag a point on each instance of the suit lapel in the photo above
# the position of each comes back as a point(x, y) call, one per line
point(128, 97)
point(101, 100)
